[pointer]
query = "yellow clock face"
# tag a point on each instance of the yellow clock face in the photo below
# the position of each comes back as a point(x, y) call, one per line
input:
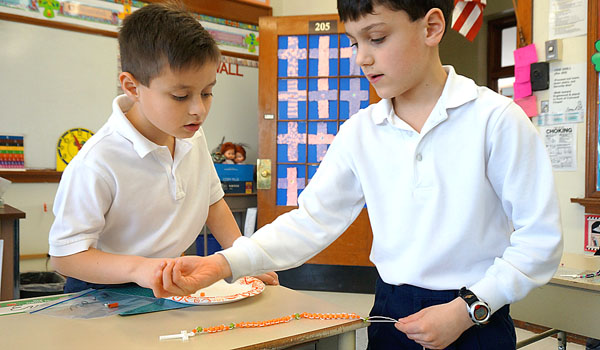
point(69, 144)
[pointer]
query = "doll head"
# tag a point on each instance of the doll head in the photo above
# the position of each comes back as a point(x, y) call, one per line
point(240, 154)
point(228, 151)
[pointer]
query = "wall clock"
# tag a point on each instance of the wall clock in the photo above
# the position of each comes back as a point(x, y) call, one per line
point(69, 144)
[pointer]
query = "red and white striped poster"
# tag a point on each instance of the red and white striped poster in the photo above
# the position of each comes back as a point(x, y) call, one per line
point(468, 17)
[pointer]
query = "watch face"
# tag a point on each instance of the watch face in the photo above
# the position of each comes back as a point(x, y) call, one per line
point(480, 312)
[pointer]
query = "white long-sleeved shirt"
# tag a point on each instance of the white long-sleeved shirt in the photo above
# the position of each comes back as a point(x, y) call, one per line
point(468, 201)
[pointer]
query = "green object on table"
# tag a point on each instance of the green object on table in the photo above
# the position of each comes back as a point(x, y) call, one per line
point(158, 305)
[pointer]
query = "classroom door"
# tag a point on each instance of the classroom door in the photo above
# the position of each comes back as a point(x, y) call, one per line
point(308, 86)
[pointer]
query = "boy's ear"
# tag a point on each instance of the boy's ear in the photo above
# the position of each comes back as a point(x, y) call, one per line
point(436, 26)
point(129, 85)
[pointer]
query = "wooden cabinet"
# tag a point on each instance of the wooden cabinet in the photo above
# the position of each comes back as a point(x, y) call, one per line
point(9, 234)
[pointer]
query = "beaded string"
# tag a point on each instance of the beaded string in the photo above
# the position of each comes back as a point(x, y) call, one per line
point(184, 335)
point(586, 275)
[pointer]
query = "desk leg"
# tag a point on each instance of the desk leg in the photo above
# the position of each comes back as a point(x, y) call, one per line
point(347, 341)
point(562, 340)
point(16, 278)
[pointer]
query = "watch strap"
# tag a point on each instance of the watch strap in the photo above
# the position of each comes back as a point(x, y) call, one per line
point(467, 295)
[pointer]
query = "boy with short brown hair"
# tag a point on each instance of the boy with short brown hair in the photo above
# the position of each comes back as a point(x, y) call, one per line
point(141, 189)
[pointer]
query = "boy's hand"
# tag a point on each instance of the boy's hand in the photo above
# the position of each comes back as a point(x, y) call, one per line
point(438, 326)
point(269, 278)
point(149, 274)
point(187, 274)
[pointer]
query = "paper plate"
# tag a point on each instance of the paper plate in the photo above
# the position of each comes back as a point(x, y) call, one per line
point(222, 292)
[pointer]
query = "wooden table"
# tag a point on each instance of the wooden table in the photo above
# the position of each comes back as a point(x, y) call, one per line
point(9, 233)
point(567, 304)
point(37, 331)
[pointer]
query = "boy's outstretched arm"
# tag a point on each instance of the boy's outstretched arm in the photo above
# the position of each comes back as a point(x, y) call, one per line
point(96, 266)
point(222, 225)
point(187, 274)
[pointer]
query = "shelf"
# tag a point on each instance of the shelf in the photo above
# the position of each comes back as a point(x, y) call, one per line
point(591, 204)
point(32, 175)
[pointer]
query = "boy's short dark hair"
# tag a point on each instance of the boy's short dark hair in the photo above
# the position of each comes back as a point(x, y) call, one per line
point(351, 10)
point(161, 34)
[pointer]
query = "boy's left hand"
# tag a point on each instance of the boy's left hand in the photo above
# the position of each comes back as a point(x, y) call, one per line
point(436, 327)
point(269, 278)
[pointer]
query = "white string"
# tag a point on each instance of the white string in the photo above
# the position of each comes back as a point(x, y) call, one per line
point(383, 319)
point(380, 319)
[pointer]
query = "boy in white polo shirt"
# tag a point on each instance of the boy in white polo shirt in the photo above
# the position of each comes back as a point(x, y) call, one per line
point(457, 182)
point(141, 189)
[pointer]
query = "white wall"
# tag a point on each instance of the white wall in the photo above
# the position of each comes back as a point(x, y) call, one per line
point(305, 7)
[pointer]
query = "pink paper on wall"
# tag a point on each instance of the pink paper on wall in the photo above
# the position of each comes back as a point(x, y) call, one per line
point(523, 73)
point(292, 187)
point(322, 140)
point(522, 90)
point(525, 55)
point(529, 105)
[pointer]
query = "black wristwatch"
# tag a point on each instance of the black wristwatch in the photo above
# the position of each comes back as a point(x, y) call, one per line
point(479, 311)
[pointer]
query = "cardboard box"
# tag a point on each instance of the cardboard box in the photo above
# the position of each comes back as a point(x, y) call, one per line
point(235, 172)
point(237, 186)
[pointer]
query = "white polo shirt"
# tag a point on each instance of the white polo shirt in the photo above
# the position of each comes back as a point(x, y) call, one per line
point(442, 203)
point(124, 194)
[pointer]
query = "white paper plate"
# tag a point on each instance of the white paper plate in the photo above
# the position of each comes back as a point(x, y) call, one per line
point(222, 292)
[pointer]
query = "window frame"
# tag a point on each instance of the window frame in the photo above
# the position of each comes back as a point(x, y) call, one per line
point(495, 71)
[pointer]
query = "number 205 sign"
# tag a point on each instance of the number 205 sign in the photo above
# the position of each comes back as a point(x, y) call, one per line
point(322, 27)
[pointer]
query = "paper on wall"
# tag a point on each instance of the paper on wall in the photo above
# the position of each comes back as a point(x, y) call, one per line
point(561, 144)
point(250, 223)
point(524, 57)
point(568, 18)
point(567, 88)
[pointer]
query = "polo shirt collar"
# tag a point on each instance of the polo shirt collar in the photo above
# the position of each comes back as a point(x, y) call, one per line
point(141, 145)
point(457, 91)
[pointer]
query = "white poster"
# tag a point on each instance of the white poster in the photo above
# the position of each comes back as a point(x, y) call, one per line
point(561, 144)
point(567, 89)
point(568, 18)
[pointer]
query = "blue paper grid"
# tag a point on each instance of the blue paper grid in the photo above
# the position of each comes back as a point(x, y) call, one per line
point(283, 63)
point(312, 169)
point(282, 149)
point(361, 101)
point(282, 174)
point(348, 64)
point(314, 95)
point(284, 106)
point(313, 62)
point(312, 130)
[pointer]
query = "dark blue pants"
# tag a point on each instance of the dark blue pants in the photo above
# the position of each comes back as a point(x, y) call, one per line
point(73, 285)
point(401, 301)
